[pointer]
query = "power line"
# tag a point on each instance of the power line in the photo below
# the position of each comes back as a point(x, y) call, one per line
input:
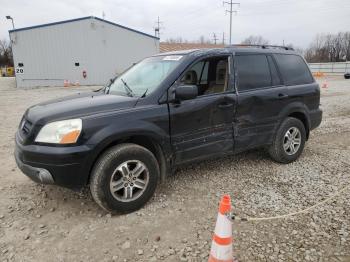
point(215, 38)
point(231, 11)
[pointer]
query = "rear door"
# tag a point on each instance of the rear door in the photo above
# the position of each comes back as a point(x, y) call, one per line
point(261, 97)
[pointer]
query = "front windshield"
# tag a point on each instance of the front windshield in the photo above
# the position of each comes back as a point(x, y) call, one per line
point(144, 77)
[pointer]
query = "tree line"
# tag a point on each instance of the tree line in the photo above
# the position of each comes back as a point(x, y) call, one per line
point(329, 48)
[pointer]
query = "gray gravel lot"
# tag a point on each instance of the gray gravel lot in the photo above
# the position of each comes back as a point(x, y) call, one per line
point(48, 223)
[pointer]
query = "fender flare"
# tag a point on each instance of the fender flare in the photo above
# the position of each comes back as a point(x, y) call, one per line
point(295, 108)
point(108, 137)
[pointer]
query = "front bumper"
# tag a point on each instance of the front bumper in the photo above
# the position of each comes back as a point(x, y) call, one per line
point(63, 166)
point(39, 175)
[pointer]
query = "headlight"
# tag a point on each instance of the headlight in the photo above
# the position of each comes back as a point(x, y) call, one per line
point(60, 132)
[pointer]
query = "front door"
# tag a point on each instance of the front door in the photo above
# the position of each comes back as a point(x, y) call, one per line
point(202, 127)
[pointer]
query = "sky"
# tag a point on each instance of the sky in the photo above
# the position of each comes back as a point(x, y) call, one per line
point(291, 21)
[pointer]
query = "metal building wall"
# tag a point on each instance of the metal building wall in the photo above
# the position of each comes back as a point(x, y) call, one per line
point(102, 49)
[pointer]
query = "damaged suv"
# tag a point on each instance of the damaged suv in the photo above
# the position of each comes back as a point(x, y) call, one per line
point(168, 110)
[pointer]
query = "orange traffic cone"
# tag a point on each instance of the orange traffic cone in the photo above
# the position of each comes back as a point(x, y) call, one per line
point(221, 246)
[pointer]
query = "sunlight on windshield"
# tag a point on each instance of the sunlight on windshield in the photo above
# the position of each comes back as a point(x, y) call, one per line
point(145, 76)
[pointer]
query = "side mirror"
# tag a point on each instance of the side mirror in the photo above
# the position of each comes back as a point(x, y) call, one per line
point(186, 92)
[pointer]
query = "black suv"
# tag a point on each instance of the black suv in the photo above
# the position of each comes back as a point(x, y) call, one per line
point(165, 111)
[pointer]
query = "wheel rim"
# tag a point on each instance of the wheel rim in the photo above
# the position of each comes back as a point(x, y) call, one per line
point(129, 180)
point(292, 141)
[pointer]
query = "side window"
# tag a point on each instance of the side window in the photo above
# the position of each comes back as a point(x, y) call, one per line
point(253, 72)
point(274, 74)
point(210, 75)
point(201, 70)
point(293, 69)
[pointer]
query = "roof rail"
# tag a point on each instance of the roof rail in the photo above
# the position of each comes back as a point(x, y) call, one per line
point(263, 46)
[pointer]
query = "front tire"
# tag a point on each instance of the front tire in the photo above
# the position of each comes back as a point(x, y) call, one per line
point(124, 178)
point(289, 141)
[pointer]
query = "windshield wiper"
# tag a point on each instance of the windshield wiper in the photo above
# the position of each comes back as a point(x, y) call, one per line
point(144, 94)
point(106, 89)
point(127, 88)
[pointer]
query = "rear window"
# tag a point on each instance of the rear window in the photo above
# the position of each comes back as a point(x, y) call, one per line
point(293, 69)
point(253, 72)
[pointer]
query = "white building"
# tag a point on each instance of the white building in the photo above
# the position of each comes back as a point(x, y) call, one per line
point(87, 50)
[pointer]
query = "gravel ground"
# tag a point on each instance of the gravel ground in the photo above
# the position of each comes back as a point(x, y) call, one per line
point(48, 223)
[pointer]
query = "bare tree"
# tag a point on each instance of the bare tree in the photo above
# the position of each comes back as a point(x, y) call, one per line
point(176, 40)
point(5, 53)
point(255, 40)
point(203, 40)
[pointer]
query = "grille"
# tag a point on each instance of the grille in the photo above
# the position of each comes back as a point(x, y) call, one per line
point(26, 126)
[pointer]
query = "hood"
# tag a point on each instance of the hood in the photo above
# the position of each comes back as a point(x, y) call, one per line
point(78, 105)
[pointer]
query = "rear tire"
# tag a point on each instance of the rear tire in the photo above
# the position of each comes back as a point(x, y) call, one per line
point(289, 141)
point(124, 178)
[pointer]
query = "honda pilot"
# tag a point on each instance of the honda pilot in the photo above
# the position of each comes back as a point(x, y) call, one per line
point(166, 111)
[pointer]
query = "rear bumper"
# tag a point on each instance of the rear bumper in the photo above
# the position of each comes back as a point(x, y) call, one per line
point(315, 118)
point(63, 166)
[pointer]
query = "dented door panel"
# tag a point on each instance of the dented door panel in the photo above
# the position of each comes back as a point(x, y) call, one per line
point(202, 127)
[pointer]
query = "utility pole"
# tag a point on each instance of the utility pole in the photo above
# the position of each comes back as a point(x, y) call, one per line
point(157, 28)
point(223, 38)
point(231, 11)
point(215, 38)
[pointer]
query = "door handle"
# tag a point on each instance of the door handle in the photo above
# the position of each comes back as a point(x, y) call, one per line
point(282, 96)
point(225, 105)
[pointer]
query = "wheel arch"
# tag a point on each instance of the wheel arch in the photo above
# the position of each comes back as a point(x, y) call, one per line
point(303, 118)
point(145, 141)
point(299, 111)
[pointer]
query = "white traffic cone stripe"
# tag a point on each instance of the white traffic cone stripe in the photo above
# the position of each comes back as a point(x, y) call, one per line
point(221, 252)
point(223, 227)
point(213, 259)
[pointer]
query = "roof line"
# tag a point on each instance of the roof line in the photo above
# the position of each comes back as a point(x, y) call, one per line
point(79, 19)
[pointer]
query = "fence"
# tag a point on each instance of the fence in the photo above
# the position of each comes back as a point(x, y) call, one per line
point(330, 68)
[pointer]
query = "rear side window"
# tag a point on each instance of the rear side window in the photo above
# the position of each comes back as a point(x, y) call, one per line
point(293, 69)
point(253, 72)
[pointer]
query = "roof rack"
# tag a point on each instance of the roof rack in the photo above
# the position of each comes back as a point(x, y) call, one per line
point(263, 46)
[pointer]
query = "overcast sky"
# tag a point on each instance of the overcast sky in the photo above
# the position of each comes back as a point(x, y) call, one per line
point(294, 21)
